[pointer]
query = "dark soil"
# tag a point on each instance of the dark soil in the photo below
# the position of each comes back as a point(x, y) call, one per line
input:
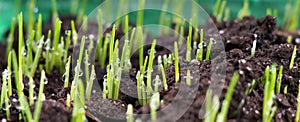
point(237, 35)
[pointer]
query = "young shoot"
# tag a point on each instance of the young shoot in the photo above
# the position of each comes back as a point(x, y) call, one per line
point(188, 77)
point(90, 83)
point(293, 57)
point(251, 87)
point(289, 39)
point(31, 91)
point(225, 106)
point(209, 49)
point(74, 33)
point(67, 73)
point(37, 57)
point(199, 54)
point(269, 89)
point(140, 13)
point(176, 62)
point(163, 77)
point(129, 113)
point(189, 42)
point(285, 90)
point(244, 11)
point(154, 105)
point(298, 106)
point(81, 12)
point(38, 106)
point(211, 111)
point(9, 72)
point(39, 28)
point(253, 48)
point(278, 81)
point(150, 68)
point(10, 39)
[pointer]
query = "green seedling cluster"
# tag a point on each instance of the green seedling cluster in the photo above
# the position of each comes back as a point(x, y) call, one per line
point(245, 10)
point(269, 90)
point(219, 9)
point(212, 109)
point(291, 16)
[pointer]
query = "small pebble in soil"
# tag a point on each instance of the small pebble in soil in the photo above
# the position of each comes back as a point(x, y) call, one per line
point(3, 120)
point(297, 40)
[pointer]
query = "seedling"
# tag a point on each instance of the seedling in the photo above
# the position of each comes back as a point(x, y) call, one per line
point(129, 113)
point(140, 13)
point(39, 28)
point(225, 106)
point(37, 57)
point(90, 83)
point(38, 106)
point(291, 17)
point(293, 57)
point(209, 49)
point(189, 43)
point(78, 112)
point(154, 105)
point(188, 77)
point(74, 33)
point(9, 72)
point(68, 101)
point(298, 106)
point(219, 9)
point(199, 54)
point(244, 11)
point(278, 81)
point(269, 88)
point(54, 13)
point(289, 39)
point(253, 48)
point(251, 87)
point(211, 111)
point(30, 14)
point(140, 89)
point(31, 91)
point(81, 12)
point(10, 39)
point(285, 89)
point(164, 77)
point(150, 68)
point(181, 33)
point(67, 73)
point(176, 62)
point(227, 14)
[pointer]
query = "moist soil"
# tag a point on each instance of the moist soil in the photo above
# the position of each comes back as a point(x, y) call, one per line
point(237, 36)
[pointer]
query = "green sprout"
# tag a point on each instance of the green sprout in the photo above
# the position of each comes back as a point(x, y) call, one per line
point(181, 33)
point(199, 54)
point(9, 85)
point(154, 105)
point(37, 57)
point(164, 77)
point(31, 91)
point(10, 39)
point(225, 105)
point(285, 89)
point(48, 64)
point(141, 45)
point(74, 33)
point(278, 81)
point(298, 106)
point(68, 101)
point(100, 40)
point(129, 113)
point(251, 87)
point(209, 49)
point(90, 83)
point(67, 73)
point(253, 48)
point(39, 28)
point(140, 89)
point(244, 11)
point(38, 106)
point(289, 39)
point(78, 112)
point(4, 87)
point(150, 68)
point(119, 11)
point(74, 4)
point(291, 17)
point(176, 62)
point(157, 82)
point(188, 77)
point(211, 111)
point(162, 17)
point(30, 14)
point(227, 14)
point(86, 65)
point(269, 88)
point(140, 13)
point(189, 42)
point(68, 41)
point(81, 12)
point(219, 9)
point(293, 57)
point(75, 80)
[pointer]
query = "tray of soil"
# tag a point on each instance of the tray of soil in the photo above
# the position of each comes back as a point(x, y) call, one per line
point(97, 68)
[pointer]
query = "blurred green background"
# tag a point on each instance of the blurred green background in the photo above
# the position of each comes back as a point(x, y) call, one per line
point(10, 8)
